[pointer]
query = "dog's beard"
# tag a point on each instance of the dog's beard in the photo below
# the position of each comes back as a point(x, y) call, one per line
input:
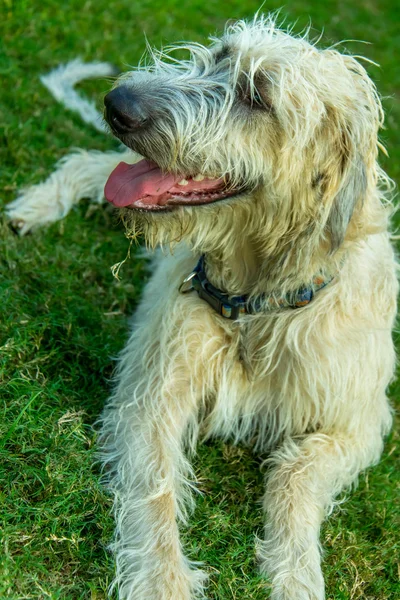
point(221, 226)
point(167, 229)
point(164, 229)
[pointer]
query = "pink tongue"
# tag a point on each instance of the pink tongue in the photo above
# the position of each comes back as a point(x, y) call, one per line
point(144, 181)
point(129, 183)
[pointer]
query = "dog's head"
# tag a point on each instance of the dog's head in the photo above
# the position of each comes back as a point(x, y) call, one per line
point(259, 134)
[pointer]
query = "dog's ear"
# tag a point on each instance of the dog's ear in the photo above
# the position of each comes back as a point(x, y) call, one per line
point(348, 147)
point(351, 191)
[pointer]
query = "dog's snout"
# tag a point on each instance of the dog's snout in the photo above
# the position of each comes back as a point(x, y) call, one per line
point(124, 111)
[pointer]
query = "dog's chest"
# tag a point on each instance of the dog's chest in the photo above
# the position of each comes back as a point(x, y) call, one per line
point(256, 370)
point(227, 362)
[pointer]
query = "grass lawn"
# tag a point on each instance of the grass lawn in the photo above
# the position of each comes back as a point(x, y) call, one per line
point(64, 318)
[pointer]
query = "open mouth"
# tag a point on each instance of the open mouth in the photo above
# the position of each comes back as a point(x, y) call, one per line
point(144, 186)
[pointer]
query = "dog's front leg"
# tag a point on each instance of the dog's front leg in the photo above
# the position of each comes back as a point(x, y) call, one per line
point(144, 428)
point(304, 480)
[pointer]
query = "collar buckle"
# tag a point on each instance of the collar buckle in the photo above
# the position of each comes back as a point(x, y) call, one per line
point(227, 307)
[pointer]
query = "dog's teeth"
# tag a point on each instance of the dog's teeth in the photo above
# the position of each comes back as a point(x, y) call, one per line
point(183, 182)
point(198, 178)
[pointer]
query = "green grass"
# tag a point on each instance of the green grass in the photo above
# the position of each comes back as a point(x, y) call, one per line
point(64, 318)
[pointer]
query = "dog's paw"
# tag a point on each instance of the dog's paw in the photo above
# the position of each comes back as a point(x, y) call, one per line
point(294, 571)
point(292, 589)
point(306, 584)
point(170, 584)
point(36, 206)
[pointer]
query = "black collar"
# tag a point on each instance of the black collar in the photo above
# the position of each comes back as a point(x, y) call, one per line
point(232, 307)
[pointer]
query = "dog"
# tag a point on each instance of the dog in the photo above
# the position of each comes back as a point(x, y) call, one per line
point(268, 317)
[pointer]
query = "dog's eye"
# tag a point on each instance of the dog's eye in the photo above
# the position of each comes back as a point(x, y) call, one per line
point(256, 98)
point(253, 98)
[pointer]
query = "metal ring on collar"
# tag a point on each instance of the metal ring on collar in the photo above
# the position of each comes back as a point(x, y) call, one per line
point(187, 285)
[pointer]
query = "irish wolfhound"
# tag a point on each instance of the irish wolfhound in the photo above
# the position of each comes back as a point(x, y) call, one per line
point(270, 322)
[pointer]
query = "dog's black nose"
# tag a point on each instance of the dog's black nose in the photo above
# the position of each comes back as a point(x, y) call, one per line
point(124, 111)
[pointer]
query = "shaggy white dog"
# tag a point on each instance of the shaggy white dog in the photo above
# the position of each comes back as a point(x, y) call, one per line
point(270, 322)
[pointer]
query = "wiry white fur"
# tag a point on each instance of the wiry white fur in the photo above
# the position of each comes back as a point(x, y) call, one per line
point(61, 81)
point(306, 386)
point(297, 381)
point(78, 175)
